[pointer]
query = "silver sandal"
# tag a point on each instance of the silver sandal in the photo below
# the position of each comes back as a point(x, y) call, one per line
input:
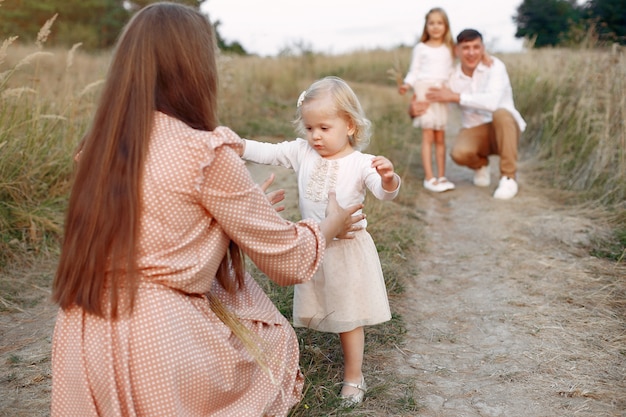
point(354, 399)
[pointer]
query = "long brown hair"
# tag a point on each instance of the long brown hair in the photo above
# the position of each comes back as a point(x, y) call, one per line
point(164, 60)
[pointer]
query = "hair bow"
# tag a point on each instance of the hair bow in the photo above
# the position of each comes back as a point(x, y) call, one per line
point(301, 98)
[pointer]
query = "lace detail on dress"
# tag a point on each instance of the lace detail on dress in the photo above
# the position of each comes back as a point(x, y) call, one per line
point(323, 179)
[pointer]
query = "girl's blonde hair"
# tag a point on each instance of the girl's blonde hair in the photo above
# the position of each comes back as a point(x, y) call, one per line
point(347, 106)
point(447, 37)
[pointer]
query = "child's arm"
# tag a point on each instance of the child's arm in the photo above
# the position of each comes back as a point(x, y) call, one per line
point(384, 168)
point(274, 197)
point(284, 154)
point(487, 59)
point(241, 149)
point(404, 88)
point(411, 75)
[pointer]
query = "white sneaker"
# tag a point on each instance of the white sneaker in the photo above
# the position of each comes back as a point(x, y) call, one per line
point(434, 186)
point(482, 177)
point(447, 185)
point(506, 190)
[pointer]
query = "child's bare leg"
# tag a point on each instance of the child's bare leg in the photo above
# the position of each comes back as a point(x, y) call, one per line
point(428, 137)
point(352, 345)
point(439, 137)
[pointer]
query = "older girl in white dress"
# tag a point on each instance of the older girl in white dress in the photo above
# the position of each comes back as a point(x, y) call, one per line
point(431, 65)
point(348, 290)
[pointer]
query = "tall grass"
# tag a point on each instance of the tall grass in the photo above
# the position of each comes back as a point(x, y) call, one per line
point(45, 103)
point(575, 103)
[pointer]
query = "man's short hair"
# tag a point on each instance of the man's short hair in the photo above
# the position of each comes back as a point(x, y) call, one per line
point(468, 35)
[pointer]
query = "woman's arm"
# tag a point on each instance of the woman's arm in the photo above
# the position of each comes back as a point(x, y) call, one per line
point(289, 253)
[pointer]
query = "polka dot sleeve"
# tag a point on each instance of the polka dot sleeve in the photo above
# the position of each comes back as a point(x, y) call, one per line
point(289, 253)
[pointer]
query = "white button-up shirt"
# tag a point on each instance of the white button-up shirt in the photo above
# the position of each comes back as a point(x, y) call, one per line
point(487, 90)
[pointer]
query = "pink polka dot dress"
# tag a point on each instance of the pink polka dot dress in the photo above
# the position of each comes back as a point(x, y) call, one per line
point(173, 356)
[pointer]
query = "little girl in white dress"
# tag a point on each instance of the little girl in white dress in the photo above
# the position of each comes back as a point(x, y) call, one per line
point(348, 290)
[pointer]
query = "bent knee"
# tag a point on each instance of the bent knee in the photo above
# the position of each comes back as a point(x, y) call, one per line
point(502, 116)
point(459, 155)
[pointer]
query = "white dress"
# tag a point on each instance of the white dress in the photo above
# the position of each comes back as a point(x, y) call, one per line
point(348, 290)
point(430, 67)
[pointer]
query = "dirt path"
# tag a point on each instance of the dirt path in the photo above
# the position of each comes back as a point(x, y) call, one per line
point(508, 315)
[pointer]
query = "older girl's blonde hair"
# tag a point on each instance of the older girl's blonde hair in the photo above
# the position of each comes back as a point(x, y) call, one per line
point(447, 37)
point(347, 106)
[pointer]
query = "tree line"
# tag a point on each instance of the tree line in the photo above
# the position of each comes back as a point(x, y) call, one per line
point(565, 22)
point(97, 23)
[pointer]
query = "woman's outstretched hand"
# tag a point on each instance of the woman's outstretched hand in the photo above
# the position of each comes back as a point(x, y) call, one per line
point(340, 222)
point(274, 197)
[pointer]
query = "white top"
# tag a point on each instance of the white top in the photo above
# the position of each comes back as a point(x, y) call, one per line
point(429, 63)
point(487, 90)
point(348, 176)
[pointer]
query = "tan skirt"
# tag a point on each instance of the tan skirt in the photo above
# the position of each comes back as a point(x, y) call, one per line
point(436, 117)
point(175, 357)
point(346, 292)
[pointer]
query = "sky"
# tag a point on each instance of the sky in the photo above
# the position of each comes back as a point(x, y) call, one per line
point(267, 27)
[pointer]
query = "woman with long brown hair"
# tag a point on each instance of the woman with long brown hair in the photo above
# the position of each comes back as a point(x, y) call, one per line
point(158, 317)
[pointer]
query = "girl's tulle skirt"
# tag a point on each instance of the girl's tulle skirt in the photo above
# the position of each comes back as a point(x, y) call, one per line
point(436, 117)
point(347, 291)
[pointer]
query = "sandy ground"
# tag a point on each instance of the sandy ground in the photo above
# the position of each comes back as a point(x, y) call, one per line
point(507, 315)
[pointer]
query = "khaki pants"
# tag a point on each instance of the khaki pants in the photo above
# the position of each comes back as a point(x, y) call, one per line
point(500, 137)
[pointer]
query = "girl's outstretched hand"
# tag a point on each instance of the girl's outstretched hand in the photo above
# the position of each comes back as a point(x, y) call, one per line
point(340, 222)
point(384, 167)
point(274, 197)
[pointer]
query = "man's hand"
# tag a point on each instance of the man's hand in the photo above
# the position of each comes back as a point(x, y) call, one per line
point(442, 95)
point(418, 108)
